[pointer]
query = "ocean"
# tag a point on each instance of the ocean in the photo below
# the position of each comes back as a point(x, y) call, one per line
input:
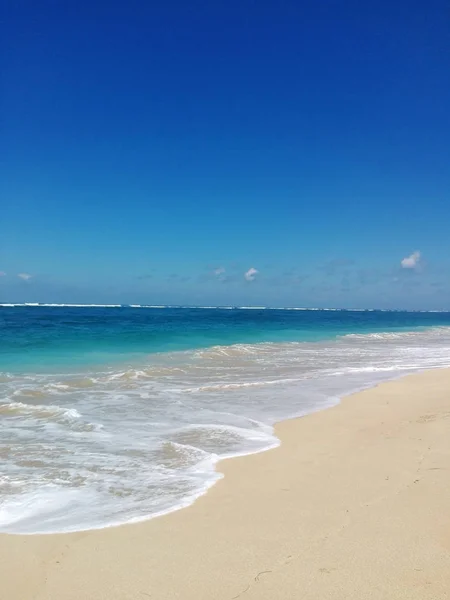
point(116, 414)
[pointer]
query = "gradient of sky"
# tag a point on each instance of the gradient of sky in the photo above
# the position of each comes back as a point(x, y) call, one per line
point(157, 152)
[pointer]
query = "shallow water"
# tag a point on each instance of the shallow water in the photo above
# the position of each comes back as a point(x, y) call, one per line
point(114, 415)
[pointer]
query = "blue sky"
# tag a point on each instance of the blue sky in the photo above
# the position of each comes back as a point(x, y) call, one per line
point(156, 152)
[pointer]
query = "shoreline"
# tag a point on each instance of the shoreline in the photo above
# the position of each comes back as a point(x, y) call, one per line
point(271, 508)
point(216, 465)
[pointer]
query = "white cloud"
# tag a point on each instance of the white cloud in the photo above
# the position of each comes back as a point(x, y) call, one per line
point(219, 271)
point(412, 261)
point(24, 276)
point(251, 274)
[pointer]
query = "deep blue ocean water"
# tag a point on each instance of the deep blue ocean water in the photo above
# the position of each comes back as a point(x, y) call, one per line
point(116, 414)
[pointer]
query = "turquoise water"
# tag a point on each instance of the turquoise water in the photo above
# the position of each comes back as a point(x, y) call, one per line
point(62, 337)
point(116, 414)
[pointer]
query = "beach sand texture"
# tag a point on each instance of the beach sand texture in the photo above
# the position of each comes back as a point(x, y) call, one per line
point(354, 504)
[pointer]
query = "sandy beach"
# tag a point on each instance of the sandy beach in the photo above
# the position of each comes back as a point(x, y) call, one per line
point(354, 504)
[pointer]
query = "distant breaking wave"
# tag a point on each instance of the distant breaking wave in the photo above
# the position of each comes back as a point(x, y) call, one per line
point(179, 307)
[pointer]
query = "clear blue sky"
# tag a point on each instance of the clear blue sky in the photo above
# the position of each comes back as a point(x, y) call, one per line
point(154, 152)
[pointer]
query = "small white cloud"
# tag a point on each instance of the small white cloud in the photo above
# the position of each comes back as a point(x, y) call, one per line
point(219, 271)
point(24, 276)
point(412, 261)
point(251, 274)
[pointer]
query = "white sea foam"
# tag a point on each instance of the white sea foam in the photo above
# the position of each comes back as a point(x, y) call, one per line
point(53, 305)
point(175, 307)
point(101, 447)
point(38, 409)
